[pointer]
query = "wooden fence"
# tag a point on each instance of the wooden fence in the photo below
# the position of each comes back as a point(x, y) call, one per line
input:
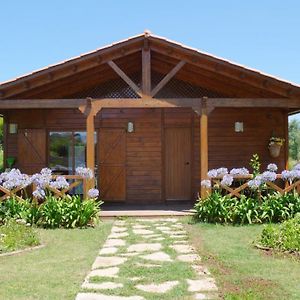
point(20, 192)
point(240, 184)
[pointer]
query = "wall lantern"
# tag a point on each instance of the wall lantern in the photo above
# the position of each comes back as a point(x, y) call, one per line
point(130, 127)
point(239, 127)
point(13, 128)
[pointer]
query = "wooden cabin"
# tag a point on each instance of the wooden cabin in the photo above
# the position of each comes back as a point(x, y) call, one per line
point(148, 115)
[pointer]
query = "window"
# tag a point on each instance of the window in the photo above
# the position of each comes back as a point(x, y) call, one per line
point(67, 151)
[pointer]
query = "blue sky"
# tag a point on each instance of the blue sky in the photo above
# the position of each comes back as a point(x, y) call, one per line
point(259, 34)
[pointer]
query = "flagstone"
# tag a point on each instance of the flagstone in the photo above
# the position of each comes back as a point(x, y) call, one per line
point(118, 229)
point(138, 226)
point(180, 242)
point(108, 261)
point(200, 296)
point(201, 270)
point(158, 256)
point(153, 235)
point(142, 231)
point(117, 235)
point(189, 257)
point(94, 296)
point(163, 228)
point(158, 239)
point(120, 223)
point(157, 288)
point(130, 254)
point(114, 243)
point(142, 247)
point(177, 236)
point(200, 285)
point(107, 272)
point(174, 232)
point(183, 248)
point(101, 286)
point(108, 250)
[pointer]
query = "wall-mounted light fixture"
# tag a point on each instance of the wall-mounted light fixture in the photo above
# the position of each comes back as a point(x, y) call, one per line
point(12, 128)
point(130, 127)
point(239, 127)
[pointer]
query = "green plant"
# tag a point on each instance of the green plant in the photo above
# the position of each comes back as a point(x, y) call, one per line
point(15, 235)
point(255, 164)
point(68, 212)
point(285, 237)
point(274, 207)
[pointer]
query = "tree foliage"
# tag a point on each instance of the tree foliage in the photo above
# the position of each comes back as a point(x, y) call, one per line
point(294, 140)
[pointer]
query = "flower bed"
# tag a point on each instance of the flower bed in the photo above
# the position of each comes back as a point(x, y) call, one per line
point(49, 205)
point(238, 197)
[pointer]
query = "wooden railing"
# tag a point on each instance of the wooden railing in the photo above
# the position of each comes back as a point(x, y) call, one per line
point(240, 184)
point(21, 192)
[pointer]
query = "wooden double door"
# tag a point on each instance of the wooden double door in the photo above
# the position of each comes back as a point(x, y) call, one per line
point(112, 164)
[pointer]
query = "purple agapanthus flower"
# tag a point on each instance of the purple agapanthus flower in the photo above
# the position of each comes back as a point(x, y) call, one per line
point(268, 176)
point(222, 171)
point(59, 183)
point(255, 183)
point(272, 167)
point(297, 167)
point(227, 180)
point(93, 193)
point(39, 193)
point(212, 173)
point(206, 183)
point(85, 172)
point(239, 171)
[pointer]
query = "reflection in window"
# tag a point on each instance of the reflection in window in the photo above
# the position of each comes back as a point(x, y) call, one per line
point(60, 160)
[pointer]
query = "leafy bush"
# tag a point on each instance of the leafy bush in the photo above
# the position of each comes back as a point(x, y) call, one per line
point(68, 212)
point(14, 235)
point(218, 208)
point(285, 237)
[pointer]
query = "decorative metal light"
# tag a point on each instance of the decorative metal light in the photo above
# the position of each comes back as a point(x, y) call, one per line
point(239, 127)
point(130, 127)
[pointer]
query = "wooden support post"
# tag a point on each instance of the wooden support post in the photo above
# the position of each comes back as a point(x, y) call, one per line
point(90, 147)
point(204, 146)
point(146, 69)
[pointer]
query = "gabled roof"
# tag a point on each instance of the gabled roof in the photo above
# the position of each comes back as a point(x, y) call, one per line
point(167, 48)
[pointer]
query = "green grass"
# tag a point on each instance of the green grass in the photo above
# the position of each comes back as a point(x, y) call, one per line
point(55, 271)
point(14, 236)
point(241, 270)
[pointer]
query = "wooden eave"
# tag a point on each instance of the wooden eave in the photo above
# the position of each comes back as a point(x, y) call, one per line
point(198, 67)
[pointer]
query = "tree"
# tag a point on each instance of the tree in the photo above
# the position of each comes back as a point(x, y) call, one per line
point(294, 140)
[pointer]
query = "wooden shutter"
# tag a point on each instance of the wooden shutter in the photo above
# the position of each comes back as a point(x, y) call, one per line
point(112, 161)
point(31, 150)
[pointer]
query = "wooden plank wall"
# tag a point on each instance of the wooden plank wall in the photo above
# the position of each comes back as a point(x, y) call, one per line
point(145, 147)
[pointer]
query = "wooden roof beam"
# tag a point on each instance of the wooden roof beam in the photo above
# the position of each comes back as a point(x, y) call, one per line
point(125, 78)
point(167, 78)
point(146, 68)
point(221, 67)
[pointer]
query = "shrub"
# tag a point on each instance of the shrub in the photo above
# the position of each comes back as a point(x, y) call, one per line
point(218, 208)
point(68, 211)
point(14, 235)
point(285, 237)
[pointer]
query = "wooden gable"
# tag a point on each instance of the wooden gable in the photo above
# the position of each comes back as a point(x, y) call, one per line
point(195, 74)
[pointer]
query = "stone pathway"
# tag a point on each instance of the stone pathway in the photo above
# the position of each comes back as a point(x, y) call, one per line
point(147, 259)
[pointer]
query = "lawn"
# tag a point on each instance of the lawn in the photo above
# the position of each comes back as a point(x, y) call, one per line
point(55, 271)
point(242, 271)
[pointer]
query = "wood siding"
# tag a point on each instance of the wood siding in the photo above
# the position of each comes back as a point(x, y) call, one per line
point(145, 147)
